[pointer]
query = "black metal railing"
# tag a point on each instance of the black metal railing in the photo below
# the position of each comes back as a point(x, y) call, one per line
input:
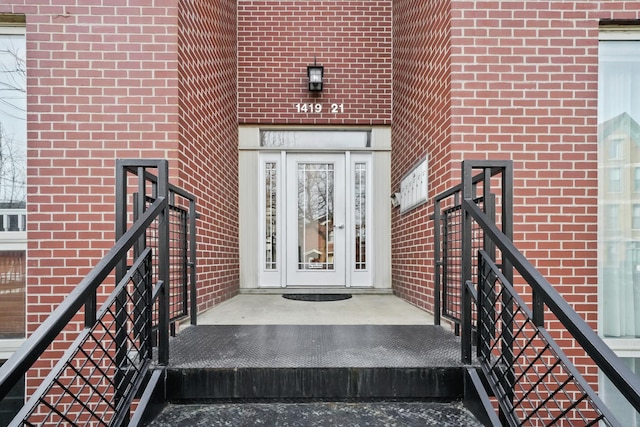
point(448, 248)
point(532, 379)
point(100, 377)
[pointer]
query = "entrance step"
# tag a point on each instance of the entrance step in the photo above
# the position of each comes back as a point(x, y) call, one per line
point(212, 362)
point(372, 414)
point(308, 375)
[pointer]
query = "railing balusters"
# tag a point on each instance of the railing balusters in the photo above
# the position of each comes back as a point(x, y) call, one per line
point(115, 349)
point(536, 383)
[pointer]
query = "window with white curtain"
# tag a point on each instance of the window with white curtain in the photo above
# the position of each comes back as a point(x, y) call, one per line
point(619, 132)
point(619, 203)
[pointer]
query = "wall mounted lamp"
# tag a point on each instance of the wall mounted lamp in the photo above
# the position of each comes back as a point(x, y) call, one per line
point(315, 74)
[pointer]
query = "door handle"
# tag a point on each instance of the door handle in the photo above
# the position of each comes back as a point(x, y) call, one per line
point(339, 226)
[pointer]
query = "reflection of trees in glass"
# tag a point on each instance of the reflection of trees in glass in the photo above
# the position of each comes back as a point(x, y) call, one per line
point(278, 139)
point(12, 121)
point(360, 206)
point(315, 210)
point(271, 216)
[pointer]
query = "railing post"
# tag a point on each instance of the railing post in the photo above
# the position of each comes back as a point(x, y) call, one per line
point(163, 264)
point(465, 313)
point(507, 270)
point(121, 331)
point(444, 286)
point(192, 261)
point(437, 262)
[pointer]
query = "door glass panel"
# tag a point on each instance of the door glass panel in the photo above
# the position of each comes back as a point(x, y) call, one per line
point(360, 222)
point(270, 216)
point(315, 216)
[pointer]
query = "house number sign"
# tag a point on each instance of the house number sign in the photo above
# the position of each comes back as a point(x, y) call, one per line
point(318, 108)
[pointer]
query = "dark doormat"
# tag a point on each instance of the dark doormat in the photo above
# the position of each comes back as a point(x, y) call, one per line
point(317, 297)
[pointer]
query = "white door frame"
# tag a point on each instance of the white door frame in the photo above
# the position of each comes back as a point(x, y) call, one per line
point(259, 274)
point(333, 273)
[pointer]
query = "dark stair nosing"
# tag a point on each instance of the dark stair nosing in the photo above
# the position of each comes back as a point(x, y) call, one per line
point(315, 383)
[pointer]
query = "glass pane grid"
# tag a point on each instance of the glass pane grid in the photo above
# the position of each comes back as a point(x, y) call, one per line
point(618, 196)
point(13, 184)
point(315, 139)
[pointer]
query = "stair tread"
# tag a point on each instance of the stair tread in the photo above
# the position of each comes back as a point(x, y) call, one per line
point(321, 346)
point(373, 414)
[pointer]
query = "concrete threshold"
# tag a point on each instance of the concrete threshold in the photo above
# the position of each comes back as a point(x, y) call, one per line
point(274, 309)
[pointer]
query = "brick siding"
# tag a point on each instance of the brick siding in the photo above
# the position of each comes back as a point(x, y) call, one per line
point(522, 86)
point(421, 126)
point(103, 83)
point(278, 39)
point(471, 80)
point(208, 140)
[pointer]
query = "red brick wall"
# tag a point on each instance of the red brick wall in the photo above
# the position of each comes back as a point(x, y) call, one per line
point(523, 86)
point(421, 126)
point(278, 39)
point(102, 83)
point(208, 139)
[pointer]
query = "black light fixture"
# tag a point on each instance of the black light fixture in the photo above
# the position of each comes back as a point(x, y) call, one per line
point(315, 73)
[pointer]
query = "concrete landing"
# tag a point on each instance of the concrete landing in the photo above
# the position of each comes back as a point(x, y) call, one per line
point(273, 309)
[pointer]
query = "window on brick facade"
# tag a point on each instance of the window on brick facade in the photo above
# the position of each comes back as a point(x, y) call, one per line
point(13, 189)
point(619, 125)
point(636, 179)
point(611, 217)
point(635, 217)
point(615, 180)
point(614, 149)
point(619, 214)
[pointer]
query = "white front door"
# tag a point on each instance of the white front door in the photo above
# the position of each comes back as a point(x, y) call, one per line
point(314, 208)
point(316, 215)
